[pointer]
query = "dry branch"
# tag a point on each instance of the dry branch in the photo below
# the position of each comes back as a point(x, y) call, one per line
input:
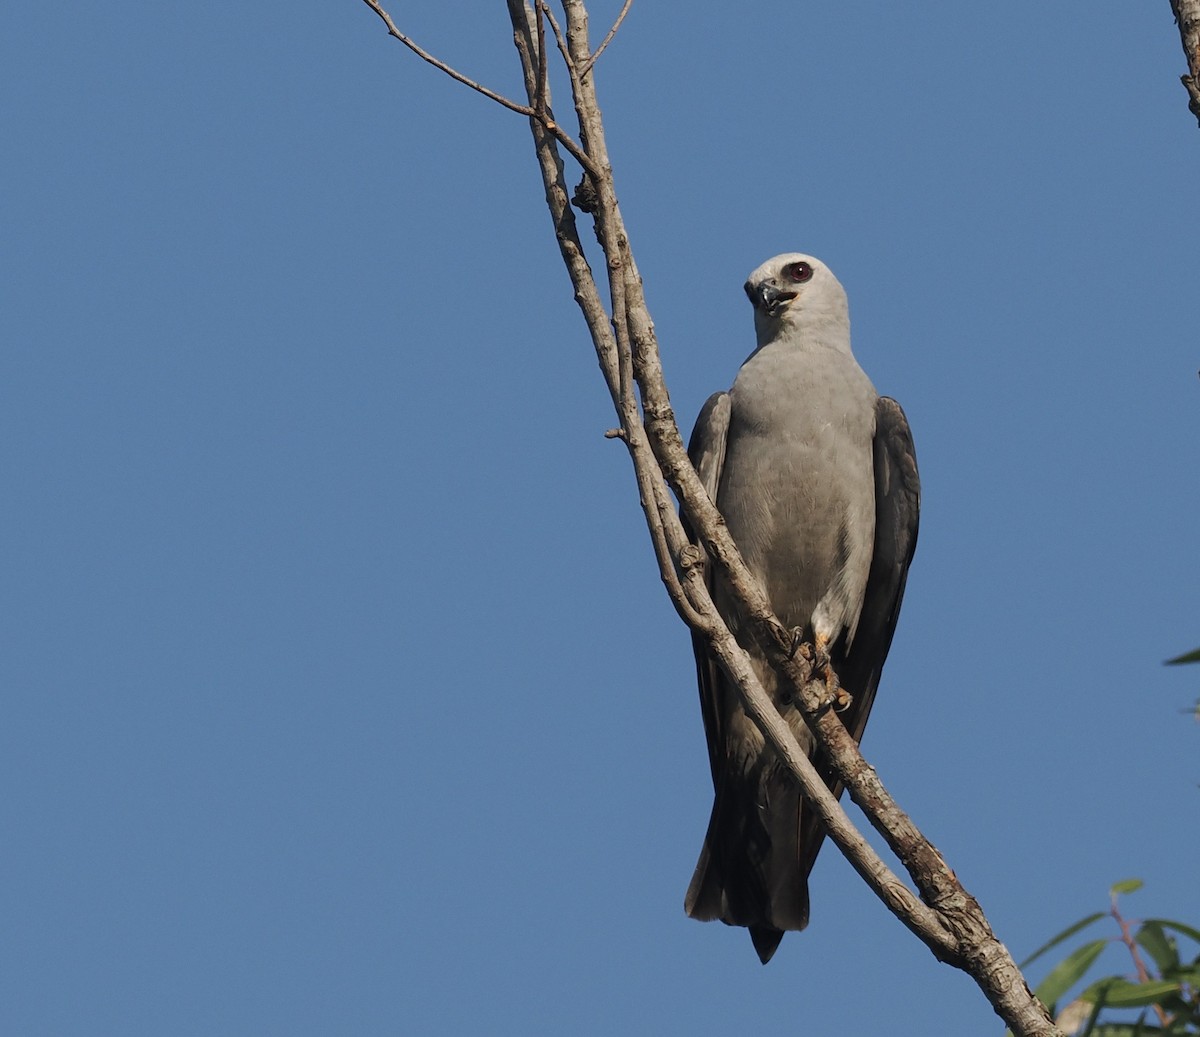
point(587, 67)
point(946, 918)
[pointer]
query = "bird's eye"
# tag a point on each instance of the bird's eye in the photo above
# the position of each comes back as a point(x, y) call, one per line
point(798, 273)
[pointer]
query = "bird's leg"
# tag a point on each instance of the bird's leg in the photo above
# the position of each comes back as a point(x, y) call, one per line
point(821, 661)
point(839, 698)
point(817, 654)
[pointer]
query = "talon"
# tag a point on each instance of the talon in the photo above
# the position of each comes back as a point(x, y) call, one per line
point(842, 700)
point(797, 642)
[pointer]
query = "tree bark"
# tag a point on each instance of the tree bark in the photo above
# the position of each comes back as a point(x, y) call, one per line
point(1187, 17)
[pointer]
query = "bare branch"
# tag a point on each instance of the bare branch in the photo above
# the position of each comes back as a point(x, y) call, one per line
point(587, 65)
point(547, 119)
point(558, 36)
point(1130, 942)
point(424, 55)
point(949, 920)
point(1187, 16)
point(543, 84)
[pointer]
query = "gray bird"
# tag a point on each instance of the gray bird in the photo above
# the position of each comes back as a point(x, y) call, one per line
point(816, 478)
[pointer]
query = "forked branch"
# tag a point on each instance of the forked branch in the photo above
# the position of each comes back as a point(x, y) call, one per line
point(946, 917)
point(531, 110)
point(587, 67)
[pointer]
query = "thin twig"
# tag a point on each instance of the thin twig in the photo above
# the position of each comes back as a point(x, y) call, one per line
point(546, 119)
point(1143, 973)
point(558, 36)
point(424, 55)
point(587, 65)
point(539, 104)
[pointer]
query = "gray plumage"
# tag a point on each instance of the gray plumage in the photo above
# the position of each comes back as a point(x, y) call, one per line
point(816, 478)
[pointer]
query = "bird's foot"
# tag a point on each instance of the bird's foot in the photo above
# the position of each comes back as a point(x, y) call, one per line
point(797, 643)
point(837, 698)
point(822, 663)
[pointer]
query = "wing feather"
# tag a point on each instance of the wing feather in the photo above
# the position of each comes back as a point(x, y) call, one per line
point(897, 511)
point(706, 449)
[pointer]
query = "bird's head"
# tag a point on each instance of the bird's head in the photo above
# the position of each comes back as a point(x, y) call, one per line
point(795, 292)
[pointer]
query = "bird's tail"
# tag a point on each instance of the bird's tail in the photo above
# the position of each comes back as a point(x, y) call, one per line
point(753, 869)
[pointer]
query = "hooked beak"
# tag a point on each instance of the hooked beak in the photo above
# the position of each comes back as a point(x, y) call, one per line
point(768, 297)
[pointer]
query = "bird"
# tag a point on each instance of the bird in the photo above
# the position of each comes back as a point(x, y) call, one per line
point(816, 477)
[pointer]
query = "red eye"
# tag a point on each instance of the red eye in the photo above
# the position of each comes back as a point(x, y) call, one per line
point(798, 273)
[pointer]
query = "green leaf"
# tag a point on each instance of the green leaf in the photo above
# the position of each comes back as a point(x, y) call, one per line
point(1187, 657)
point(1159, 946)
point(1069, 971)
point(1179, 1011)
point(1066, 934)
point(1126, 886)
point(1189, 974)
point(1179, 927)
point(1120, 993)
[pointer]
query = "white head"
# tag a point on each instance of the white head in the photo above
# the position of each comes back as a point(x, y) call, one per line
point(795, 293)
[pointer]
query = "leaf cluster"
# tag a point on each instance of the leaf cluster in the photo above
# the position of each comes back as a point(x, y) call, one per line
point(1166, 986)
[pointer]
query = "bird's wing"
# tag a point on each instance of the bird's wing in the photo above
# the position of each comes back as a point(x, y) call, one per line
point(897, 507)
point(706, 449)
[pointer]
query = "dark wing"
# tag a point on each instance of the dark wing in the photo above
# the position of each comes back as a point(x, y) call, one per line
point(897, 507)
point(753, 868)
point(706, 449)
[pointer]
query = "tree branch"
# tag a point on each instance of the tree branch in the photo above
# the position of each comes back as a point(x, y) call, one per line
point(529, 110)
point(587, 67)
point(1187, 17)
point(558, 37)
point(1130, 942)
point(424, 55)
point(946, 917)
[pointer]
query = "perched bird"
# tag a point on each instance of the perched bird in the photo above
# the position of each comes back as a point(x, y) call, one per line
point(816, 478)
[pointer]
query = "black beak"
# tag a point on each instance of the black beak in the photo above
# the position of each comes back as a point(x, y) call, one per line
point(768, 297)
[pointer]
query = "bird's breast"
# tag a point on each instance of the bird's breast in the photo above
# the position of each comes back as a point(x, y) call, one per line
point(797, 489)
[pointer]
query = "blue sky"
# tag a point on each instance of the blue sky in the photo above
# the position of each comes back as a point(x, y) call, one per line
point(340, 694)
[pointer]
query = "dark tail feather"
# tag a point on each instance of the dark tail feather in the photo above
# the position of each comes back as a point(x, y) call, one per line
point(753, 870)
point(766, 940)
